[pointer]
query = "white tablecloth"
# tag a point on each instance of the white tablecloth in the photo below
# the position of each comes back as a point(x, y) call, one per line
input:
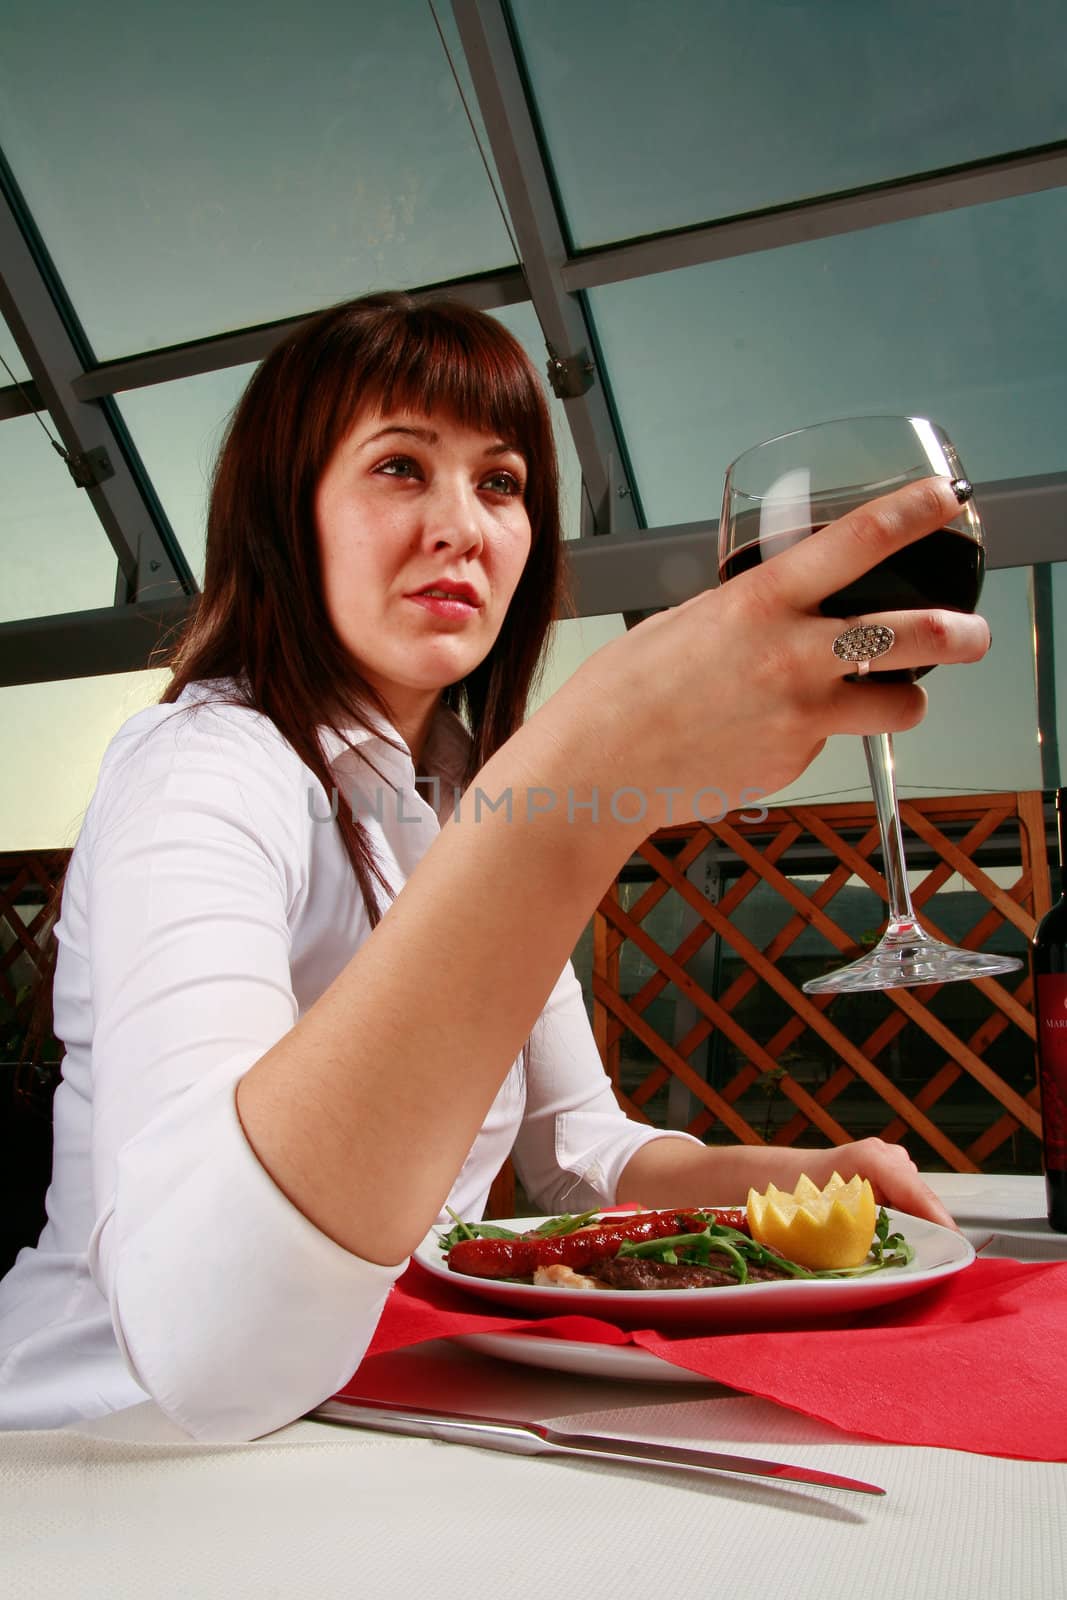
point(129, 1507)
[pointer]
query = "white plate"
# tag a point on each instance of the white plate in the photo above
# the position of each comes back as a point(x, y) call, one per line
point(939, 1252)
point(625, 1362)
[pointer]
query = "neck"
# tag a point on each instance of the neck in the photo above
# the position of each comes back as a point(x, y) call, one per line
point(412, 722)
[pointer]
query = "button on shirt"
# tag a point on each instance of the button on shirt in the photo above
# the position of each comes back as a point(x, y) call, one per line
point(208, 904)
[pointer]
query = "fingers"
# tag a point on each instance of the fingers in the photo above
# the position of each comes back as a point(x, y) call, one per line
point(844, 550)
point(873, 704)
point(923, 639)
point(869, 707)
point(895, 1179)
point(907, 1192)
point(926, 1204)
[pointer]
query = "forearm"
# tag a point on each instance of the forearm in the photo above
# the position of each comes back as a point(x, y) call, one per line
point(364, 1112)
point(673, 1172)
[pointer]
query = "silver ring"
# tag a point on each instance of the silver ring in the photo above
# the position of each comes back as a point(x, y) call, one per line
point(863, 643)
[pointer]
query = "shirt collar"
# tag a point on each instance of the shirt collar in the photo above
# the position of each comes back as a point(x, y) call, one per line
point(444, 754)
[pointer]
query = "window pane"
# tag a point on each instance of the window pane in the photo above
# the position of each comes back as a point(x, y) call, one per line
point(1059, 648)
point(49, 780)
point(960, 317)
point(56, 556)
point(657, 116)
point(221, 166)
point(574, 641)
point(177, 428)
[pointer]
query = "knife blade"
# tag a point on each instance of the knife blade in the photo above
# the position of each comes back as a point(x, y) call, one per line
point(517, 1437)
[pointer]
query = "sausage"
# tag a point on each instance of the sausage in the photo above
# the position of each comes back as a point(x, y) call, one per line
point(520, 1258)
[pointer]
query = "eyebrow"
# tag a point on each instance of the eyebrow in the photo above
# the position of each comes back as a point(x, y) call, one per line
point(430, 437)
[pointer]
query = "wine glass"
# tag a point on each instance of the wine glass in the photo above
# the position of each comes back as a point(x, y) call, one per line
point(787, 488)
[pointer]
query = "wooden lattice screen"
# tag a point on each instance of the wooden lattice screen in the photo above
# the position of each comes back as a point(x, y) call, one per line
point(27, 883)
point(787, 1067)
point(815, 1057)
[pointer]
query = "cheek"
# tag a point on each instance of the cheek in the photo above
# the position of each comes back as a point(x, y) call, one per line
point(517, 558)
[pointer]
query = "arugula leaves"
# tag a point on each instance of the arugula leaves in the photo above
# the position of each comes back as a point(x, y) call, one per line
point(550, 1228)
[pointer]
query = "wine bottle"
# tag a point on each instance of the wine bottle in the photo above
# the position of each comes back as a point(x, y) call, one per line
point(1049, 952)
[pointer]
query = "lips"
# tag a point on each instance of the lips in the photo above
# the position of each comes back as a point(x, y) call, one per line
point(448, 591)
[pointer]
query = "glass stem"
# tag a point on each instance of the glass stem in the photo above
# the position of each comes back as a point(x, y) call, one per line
point(878, 749)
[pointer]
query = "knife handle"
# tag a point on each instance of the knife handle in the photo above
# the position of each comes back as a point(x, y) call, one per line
point(513, 1437)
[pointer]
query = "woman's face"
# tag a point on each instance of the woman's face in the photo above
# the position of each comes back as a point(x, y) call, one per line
point(423, 536)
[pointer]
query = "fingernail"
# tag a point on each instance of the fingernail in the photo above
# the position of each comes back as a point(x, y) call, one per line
point(963, 489)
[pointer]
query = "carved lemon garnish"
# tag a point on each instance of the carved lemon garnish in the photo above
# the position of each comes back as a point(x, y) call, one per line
point(823, 1229)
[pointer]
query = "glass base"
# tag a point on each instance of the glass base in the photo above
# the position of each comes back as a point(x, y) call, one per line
point(907, 957)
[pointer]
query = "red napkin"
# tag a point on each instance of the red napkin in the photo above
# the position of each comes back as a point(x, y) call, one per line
point(977, 1363)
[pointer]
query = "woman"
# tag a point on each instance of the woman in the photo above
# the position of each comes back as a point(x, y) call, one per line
point(307, 998)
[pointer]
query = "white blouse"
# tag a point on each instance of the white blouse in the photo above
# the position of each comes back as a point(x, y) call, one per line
point(208, 904)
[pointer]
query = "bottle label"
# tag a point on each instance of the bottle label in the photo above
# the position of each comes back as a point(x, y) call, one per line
point(1051, 1017)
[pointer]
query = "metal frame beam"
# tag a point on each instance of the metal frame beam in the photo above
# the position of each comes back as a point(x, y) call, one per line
point(19, 400)
point(87, 644)
point(539, 232)
point(1025, 521)
point(976, 184)
point(99, 454)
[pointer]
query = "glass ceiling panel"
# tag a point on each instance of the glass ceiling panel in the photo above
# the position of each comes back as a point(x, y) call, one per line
point(961, 317)
point(55, 555)
point(177, 428)
point(657, 116)
point(231, 164)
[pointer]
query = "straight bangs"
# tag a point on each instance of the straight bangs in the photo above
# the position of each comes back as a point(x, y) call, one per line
point(445, 358)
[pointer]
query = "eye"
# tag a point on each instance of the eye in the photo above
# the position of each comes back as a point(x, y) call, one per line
point(502, 482)
point(398, 467)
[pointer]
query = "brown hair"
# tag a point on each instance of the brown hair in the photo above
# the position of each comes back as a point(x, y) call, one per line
point(262, 619)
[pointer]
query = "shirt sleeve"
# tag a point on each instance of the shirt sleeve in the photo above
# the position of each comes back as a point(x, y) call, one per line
point(231, 1309)
point(575, 1139)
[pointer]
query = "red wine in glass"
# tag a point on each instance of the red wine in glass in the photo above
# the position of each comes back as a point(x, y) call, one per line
point(943, 571)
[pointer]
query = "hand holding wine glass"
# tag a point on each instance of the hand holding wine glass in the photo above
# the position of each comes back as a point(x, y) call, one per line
point(785, 491)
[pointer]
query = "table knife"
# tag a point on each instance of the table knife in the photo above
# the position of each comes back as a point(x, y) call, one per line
point(537, 1439)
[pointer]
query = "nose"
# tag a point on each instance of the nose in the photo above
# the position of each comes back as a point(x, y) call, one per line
point(453, 517)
